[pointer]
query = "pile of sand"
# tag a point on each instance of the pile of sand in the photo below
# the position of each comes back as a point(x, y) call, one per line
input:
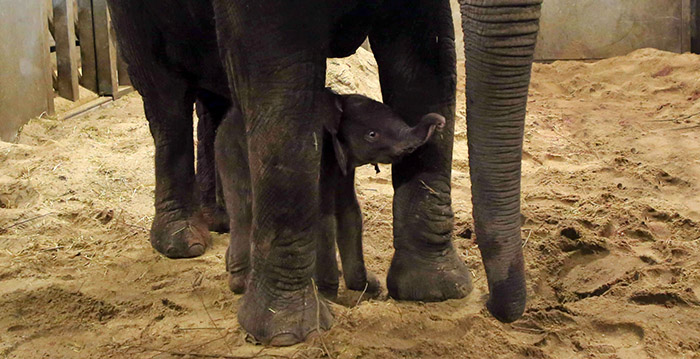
point(355, 74)
point(611, 179)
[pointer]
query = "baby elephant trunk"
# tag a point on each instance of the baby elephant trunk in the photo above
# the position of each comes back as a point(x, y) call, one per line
point(421, 133)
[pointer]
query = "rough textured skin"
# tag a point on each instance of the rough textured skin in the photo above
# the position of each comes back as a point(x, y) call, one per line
point(178, 50)
point(172, 55)
point(362, 131)
point(210, 111)
point(415, 53)
point(500, 42)
point(367, 132)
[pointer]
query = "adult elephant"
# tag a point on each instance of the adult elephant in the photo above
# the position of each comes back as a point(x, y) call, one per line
point(273, 56)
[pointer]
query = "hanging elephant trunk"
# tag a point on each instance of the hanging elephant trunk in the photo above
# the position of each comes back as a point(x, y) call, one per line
point(500, 38)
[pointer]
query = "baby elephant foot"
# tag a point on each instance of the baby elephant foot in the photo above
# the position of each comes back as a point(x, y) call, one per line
point(369, 285)
point(178, 237)
point(238, 269)
point(216, 218)
point(237, 281)
point(432, 278)
point(283, 319)
point(329, 290)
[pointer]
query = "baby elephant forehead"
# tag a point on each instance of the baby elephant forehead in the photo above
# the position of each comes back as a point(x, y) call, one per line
point(365, 108)
point(359, 101)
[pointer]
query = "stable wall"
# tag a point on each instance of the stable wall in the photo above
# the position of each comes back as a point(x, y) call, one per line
point(596, 29)
point(24, 70)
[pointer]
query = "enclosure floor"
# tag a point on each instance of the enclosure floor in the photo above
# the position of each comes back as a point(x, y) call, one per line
point(611, 233)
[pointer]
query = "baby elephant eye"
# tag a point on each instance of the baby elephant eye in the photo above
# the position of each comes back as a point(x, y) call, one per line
point(371, 136)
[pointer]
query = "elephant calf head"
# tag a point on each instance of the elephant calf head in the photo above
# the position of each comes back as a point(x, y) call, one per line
point(367, 131)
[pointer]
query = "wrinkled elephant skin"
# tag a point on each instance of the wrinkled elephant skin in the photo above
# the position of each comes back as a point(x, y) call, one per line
point(363, 131)
point(266, 59)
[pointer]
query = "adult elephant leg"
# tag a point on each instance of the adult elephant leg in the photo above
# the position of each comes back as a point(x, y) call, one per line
point(500, 40)
point(178, 228)
point(414, 47)
point(234, 171)
point(278, 72)
point(211, 109)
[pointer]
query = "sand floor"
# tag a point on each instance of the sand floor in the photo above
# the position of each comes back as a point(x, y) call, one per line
point(611, 233)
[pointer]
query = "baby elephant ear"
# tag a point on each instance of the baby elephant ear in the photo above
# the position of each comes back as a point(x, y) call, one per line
point(341, 154)
point(332, 123)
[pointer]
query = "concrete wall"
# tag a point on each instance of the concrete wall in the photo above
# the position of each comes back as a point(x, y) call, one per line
point(595, 29)
point(24, 76)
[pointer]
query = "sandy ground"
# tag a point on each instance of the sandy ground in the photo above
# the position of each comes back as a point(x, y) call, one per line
point(611, 206)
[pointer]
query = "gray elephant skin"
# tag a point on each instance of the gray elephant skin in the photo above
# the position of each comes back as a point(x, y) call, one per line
point(267, 60)
point(362, 131)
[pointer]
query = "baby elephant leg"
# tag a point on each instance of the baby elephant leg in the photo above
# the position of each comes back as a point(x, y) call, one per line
point(232, 165)
point(327, 274)
point(211, 109)
point(349, 237)
point(326, 263)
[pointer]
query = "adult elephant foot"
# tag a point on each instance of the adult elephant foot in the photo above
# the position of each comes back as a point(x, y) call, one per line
point(437, 277)
point(283, 319)
point(176, 237)
point(419, 40)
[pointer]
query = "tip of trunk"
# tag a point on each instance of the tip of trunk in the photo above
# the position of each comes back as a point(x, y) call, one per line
point(428, 124)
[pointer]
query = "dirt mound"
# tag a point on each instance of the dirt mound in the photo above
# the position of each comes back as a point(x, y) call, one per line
point(354, 74)
point(611, 233)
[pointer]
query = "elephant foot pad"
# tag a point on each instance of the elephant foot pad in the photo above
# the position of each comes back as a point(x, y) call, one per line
point(428, 279)
point(180, 238)
point(283, 320)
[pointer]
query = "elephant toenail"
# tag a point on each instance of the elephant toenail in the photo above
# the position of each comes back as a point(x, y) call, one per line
point(284, 340)
point(196, 250)
point(172, 252)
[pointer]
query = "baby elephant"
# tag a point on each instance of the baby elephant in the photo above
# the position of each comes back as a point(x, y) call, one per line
point(361, 131)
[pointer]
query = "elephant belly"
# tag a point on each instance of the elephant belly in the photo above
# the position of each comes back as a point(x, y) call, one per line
point(351, 26)
point(187, 43)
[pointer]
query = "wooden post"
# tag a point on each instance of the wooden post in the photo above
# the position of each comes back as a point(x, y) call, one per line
point(122, 72)
point(695, 28)
point(66, 54)
point(124, 79)
point(87, 46)
point(105, 50)
point(686, 25)
point(46, 13)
